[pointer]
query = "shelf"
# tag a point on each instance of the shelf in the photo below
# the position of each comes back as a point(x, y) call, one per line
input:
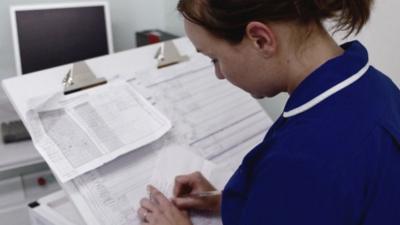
point(17, 155)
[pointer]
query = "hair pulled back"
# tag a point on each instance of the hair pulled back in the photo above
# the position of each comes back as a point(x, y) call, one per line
point(227, 19)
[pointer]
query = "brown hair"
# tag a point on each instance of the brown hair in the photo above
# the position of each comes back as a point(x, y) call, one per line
point(227, 19)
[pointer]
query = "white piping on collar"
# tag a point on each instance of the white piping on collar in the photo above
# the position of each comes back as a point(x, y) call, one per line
point(313, 102)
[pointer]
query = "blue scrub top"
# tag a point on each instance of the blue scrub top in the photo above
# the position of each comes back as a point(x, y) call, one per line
point(332, 158)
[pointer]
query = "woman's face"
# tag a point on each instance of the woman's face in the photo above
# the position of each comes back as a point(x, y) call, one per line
point(240, 64)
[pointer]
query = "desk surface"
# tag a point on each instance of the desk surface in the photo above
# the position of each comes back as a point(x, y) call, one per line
point(50, 81)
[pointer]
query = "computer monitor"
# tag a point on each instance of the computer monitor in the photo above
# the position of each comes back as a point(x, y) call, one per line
point(50, 35)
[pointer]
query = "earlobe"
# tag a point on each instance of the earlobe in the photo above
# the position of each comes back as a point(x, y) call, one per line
point(262, 37)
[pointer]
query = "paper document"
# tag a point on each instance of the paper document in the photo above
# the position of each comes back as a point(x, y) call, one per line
point(176, 161)
point(111, 193)
point(212, 118)
point(78, 133)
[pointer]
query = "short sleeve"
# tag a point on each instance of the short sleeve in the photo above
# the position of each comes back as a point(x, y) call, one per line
point(288, 191)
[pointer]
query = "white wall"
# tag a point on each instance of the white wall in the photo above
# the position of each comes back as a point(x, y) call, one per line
point(127, 17)
point(381, 36)
point(174, 21)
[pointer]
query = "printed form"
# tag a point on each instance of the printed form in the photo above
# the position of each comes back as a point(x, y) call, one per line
point(78, 133)
point(174, 161)
point(210, 117)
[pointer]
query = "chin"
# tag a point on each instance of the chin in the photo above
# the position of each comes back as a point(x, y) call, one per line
point(257, 96)
point(264, 95)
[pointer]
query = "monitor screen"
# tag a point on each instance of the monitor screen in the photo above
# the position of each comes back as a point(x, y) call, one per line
point(52, 36)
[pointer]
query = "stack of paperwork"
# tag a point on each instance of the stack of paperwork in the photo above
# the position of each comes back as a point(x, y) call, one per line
point(106, 144)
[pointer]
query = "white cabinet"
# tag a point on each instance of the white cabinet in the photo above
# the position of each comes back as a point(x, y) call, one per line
point(16, 215)
point(55, 209)
point(16, 192)
point(23, 175)
point(11, 192)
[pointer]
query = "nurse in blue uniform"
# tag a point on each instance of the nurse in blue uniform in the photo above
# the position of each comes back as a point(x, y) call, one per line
point(333, 156)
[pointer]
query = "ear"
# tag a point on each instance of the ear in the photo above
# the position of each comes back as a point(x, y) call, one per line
point(262, 37)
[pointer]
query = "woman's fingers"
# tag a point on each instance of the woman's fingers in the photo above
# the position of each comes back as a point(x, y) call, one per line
point(142, 213)
point(158, 209)
point(187, 203)
point(159, 198)
point(183, 185)
point(149, 205)
point(146, 216)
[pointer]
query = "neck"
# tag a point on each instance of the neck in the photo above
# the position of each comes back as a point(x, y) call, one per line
point(313, 53)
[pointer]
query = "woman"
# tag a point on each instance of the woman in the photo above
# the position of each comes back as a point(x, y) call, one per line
point(333, 157)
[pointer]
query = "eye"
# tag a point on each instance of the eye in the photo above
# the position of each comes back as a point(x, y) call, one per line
point(214, 61)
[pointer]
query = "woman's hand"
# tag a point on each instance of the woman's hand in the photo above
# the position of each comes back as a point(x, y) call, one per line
point(192, 184)
point(158, 210)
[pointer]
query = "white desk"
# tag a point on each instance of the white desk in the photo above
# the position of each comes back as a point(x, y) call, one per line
point(49, 81)
point(41, 83)
point(243, 130)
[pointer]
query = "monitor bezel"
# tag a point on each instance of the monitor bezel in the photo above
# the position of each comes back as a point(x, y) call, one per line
point(19, 8)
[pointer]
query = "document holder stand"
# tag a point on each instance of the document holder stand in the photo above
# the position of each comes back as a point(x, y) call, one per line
point(170, 55)
point(80, 77)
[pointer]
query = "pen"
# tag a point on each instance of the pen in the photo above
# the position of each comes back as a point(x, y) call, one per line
point(202, 194)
